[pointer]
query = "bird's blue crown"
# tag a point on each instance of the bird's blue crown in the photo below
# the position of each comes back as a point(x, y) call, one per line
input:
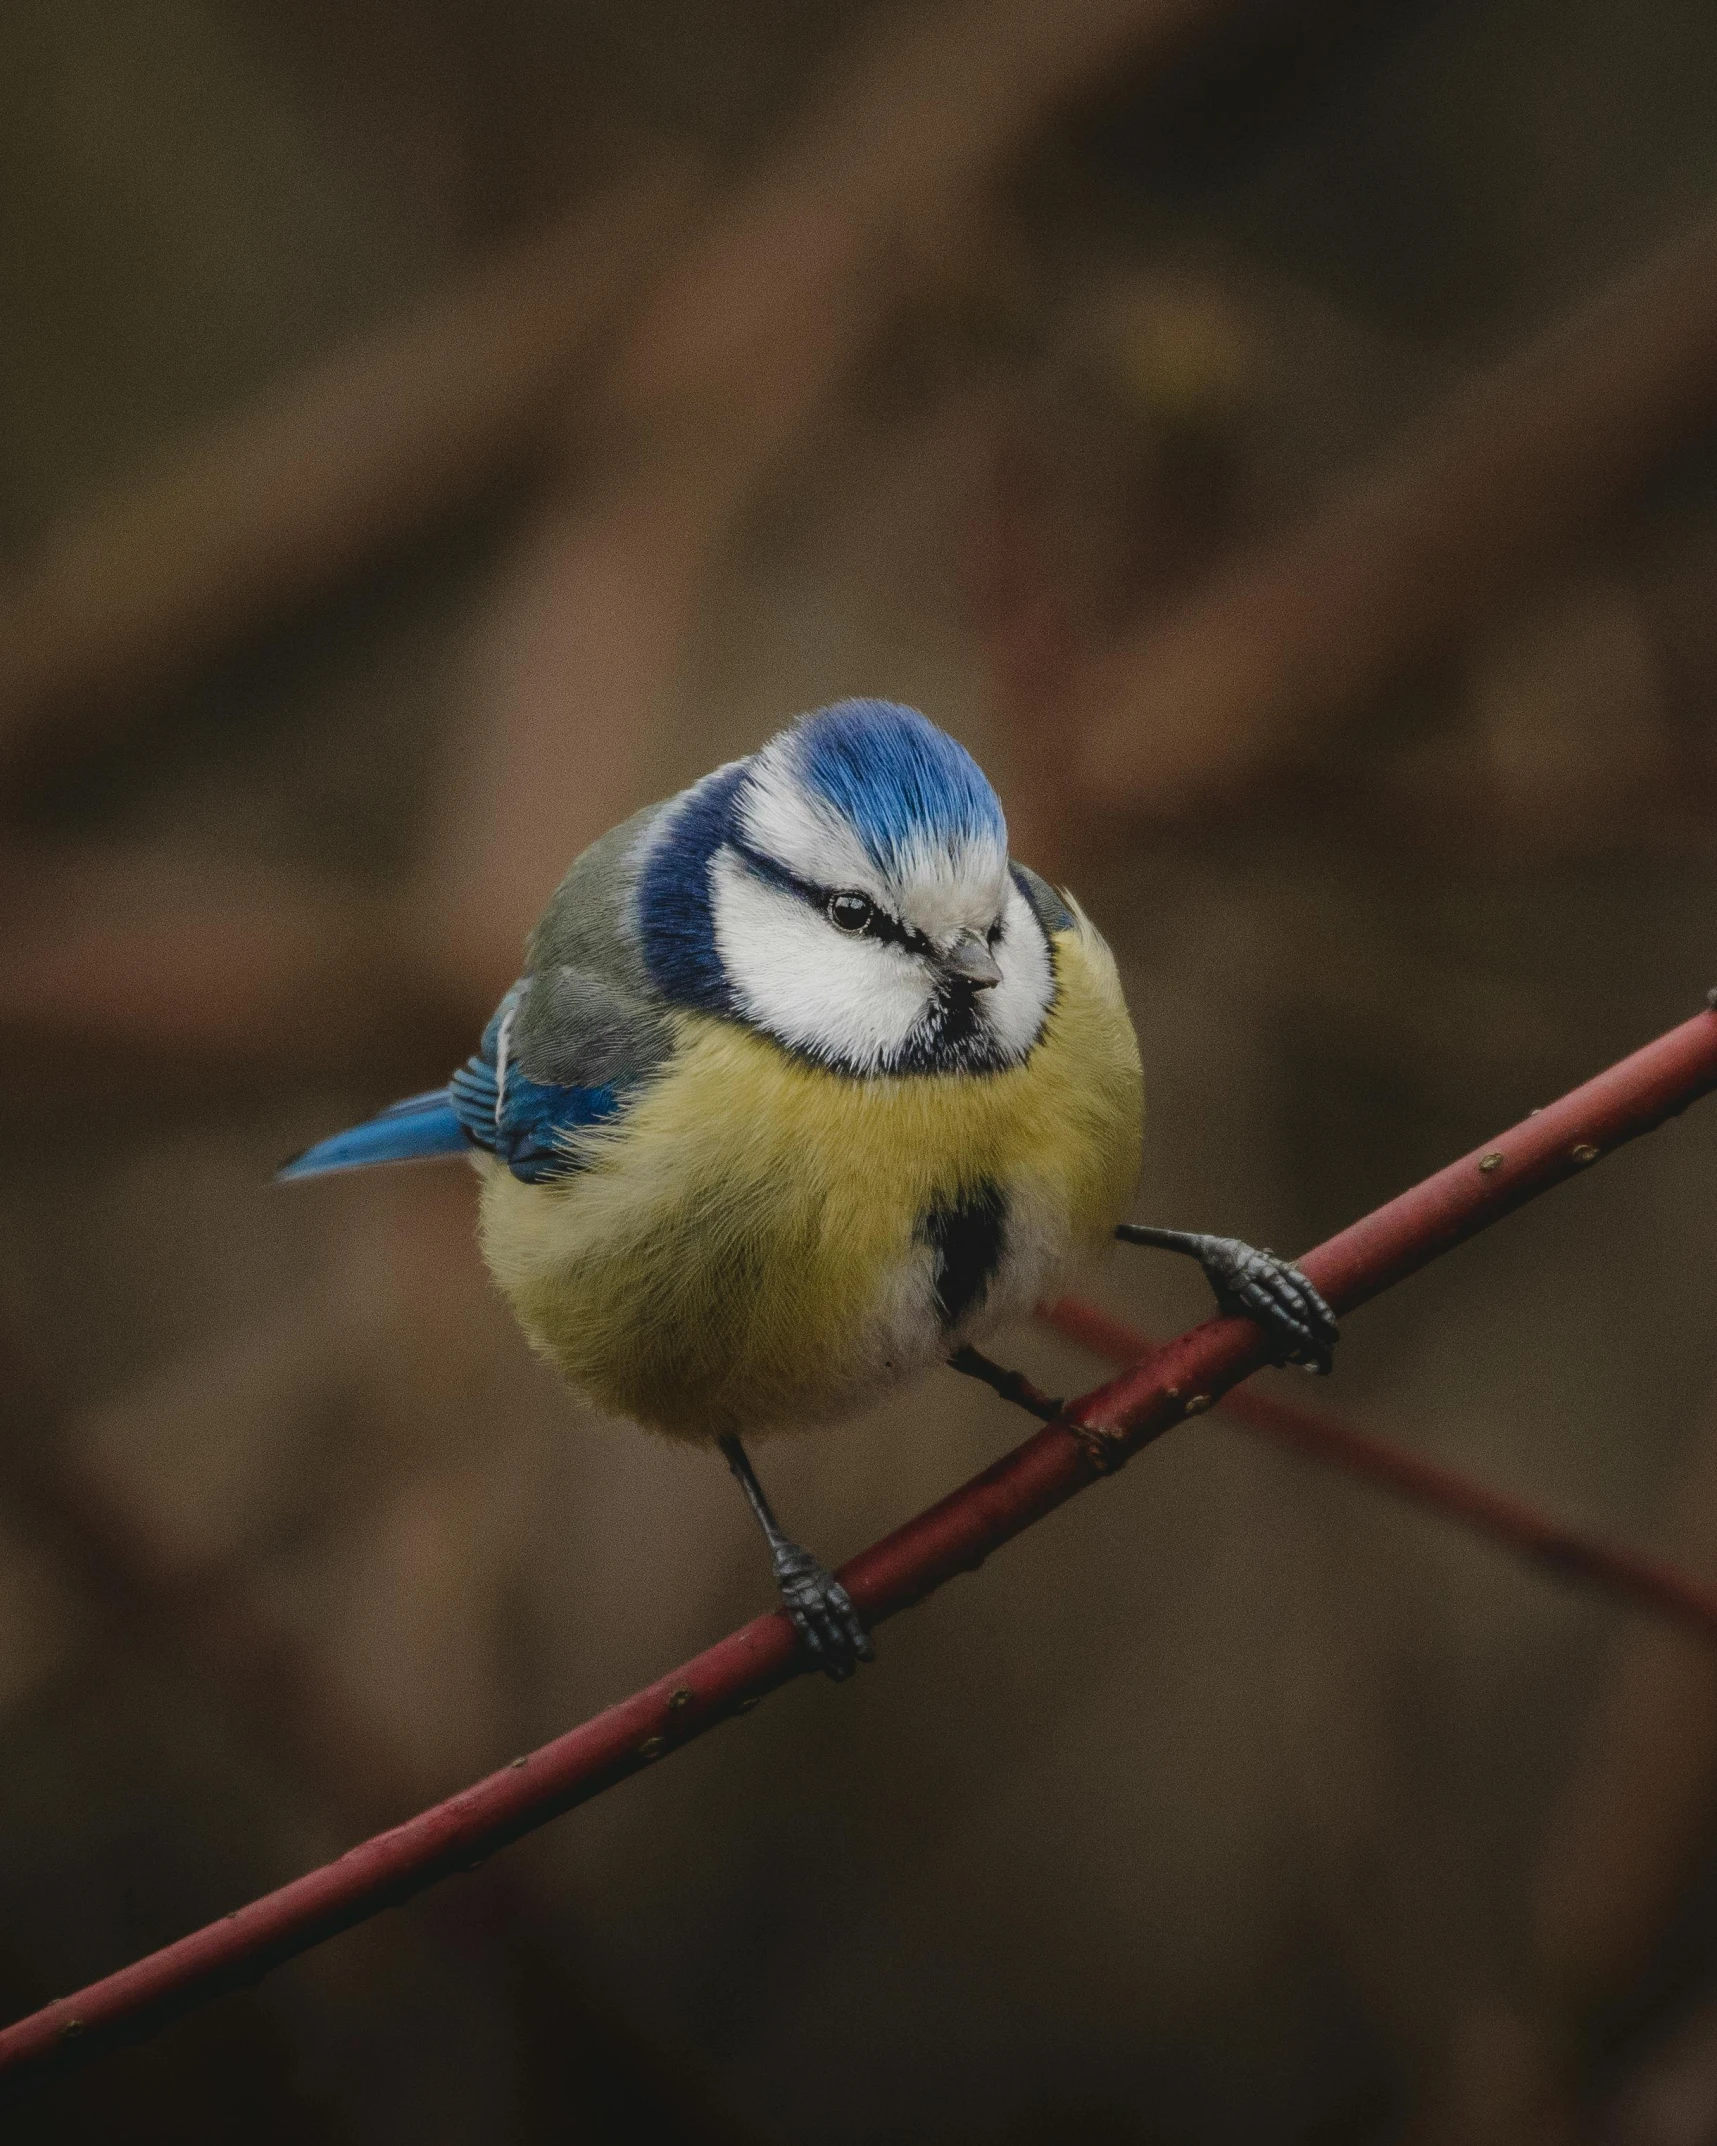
point(897, 780)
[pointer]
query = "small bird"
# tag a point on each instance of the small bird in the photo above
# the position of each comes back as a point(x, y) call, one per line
point(805, 1086)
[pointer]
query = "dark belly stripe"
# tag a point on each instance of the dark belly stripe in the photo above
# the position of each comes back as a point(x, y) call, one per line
point(966, 1236)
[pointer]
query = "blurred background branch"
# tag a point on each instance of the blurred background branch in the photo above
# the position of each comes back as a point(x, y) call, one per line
point(1567, 1553)
point(1419, 554)
point(342, 466)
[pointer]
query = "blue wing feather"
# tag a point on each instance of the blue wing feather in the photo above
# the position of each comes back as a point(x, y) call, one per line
point(421, 1126)
point(487, 1104)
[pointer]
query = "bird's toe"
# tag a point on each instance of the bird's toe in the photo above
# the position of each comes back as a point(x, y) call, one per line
point(824, 1615)
point(1286, 1303)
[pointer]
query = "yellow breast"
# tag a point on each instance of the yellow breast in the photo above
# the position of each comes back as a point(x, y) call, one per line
point(744, 1249)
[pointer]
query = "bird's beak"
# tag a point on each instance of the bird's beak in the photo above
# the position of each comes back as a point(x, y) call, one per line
point(970, 962)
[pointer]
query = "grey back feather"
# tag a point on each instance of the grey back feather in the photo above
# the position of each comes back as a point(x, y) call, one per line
point(591, 1016)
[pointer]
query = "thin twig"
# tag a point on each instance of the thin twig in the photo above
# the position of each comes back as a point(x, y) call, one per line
point(1094, 1436)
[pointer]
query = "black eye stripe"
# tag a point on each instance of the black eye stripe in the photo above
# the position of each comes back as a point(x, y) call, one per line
point(894, 933)
point(879, 925)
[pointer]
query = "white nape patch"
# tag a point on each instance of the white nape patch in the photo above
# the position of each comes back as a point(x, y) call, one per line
point(852, 1001)
point(1014, 1008)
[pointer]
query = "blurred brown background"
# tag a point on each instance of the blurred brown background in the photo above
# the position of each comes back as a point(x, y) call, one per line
point(1281, 440)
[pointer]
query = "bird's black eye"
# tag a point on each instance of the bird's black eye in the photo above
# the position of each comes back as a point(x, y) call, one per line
point(851, 912)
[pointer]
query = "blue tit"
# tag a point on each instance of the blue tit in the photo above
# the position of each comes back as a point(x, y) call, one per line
point(805, 1086)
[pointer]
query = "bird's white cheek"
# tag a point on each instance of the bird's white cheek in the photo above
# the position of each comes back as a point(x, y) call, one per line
point(1016, 1006)
point(853, 1001)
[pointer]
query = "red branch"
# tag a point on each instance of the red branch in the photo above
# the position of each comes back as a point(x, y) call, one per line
point(1568, 1552)
point(1092, 1438)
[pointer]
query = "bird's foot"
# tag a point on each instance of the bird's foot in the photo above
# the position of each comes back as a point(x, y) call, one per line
point(1252, 1284)
point(1256, 1285)
point(823, 1611)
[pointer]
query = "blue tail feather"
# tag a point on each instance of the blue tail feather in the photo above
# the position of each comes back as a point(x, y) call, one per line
point(421, 1126)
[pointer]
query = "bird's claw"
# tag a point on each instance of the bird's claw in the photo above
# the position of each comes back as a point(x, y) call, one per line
point(823, 1613)
point(1256, 1285)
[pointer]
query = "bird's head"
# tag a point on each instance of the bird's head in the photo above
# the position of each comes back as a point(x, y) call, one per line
point(847, 890)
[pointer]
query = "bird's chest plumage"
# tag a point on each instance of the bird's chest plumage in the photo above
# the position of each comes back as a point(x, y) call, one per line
point(761, 1242)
